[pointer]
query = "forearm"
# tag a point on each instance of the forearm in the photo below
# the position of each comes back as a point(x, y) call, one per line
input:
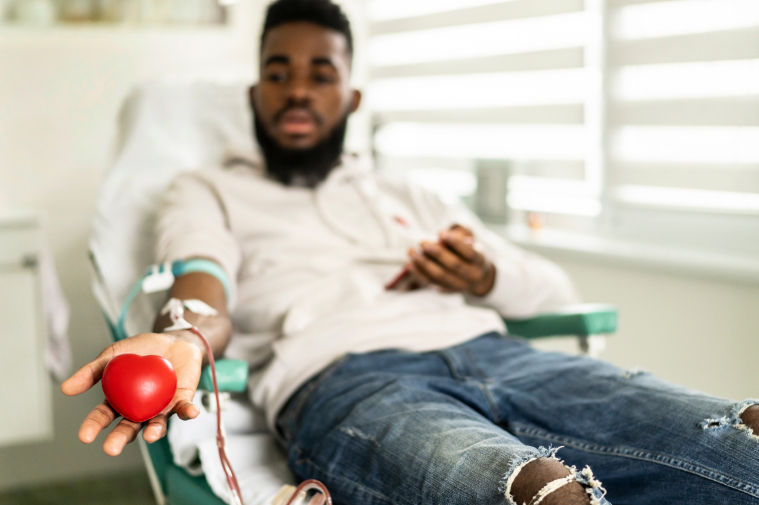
point(217, 329)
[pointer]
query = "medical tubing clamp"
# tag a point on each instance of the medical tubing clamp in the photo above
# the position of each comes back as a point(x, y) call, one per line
point(160, 278)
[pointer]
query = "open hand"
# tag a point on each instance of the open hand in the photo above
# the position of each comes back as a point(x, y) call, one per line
point(453, 263)
point(185, 356)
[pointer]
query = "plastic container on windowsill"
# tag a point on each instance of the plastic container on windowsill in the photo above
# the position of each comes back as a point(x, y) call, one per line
point(77, 11)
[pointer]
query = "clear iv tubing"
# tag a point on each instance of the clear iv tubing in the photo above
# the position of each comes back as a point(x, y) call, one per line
point(234, 487)
point(308, 485)
point(220, 441)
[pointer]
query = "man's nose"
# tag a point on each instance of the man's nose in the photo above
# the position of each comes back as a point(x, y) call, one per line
point(299, 91)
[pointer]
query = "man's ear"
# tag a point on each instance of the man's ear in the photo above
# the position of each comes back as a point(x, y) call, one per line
point(355, 101)
point(252, 94)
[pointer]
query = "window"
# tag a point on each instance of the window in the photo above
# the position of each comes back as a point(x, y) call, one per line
point(632, 118)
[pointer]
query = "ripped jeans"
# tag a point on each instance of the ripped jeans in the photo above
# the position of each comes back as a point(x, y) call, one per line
point(451, 427)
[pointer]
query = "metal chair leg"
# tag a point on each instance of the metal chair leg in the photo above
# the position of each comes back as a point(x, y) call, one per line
point(592, 345)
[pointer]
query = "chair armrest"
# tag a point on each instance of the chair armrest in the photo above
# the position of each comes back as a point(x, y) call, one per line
point(231, 375)
point(582, 320)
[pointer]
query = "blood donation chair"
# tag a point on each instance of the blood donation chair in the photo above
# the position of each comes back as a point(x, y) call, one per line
point(168, 127)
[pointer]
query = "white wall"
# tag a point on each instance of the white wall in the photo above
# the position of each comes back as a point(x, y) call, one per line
point(699, 332)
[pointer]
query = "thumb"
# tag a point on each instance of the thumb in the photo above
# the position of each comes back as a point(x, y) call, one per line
point(88, 375)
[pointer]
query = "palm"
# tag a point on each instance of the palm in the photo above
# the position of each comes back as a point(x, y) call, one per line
point(186, 359)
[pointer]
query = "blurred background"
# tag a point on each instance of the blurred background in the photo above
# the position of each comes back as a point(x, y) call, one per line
point(619, 138)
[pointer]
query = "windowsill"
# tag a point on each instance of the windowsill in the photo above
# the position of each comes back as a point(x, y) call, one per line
point(574, 245)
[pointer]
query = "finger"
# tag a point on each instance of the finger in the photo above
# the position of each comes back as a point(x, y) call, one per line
point(463, 246)
point(155, 428)
point(415, 280)
point(88, 375)
point(436, 274)
point(452, 262)
point(183, 405)
point(124, 432)
point(461, 229)
point(96, 421)
point(418, 275)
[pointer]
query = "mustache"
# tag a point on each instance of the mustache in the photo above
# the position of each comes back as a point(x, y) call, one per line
point(318, 119)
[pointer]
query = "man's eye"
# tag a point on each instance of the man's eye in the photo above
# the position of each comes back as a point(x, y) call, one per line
point(323, 79)
point(277, 77)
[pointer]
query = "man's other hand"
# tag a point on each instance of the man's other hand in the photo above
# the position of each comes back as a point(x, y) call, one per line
point(183, 354)
point(453, 263)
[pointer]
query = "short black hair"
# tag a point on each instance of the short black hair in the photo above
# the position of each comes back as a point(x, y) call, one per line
point(320, 12)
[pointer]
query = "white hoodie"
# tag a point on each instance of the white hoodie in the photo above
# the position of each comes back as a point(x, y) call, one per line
point(308, 268)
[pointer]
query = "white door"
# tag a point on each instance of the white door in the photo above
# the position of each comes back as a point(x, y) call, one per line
point(24, 384)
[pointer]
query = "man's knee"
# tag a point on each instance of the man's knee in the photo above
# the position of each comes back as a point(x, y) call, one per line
point(537, 474)
point(750, 418)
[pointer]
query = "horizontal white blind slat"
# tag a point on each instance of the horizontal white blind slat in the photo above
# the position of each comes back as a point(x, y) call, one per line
point(624, 3)
point(506, 10)
point(741, 111)
point(540, 60)
point(478, 90)
point(382, 10)
point(662, 19)
point(687, 80)
point(689, 199)
point(693, 144)
point(551, 114)
point(479, 40)
point(481, 141)
point(729, 45)
point(716, 177)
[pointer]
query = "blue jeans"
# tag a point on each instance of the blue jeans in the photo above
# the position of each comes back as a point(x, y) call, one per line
point(450, 427)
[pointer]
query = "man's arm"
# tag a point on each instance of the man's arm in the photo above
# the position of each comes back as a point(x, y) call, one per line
point(515, 283)
point(183, 349)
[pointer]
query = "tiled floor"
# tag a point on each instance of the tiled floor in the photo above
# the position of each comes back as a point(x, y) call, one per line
point(121, 489)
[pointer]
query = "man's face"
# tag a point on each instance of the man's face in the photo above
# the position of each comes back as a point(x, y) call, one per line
point(304, 91)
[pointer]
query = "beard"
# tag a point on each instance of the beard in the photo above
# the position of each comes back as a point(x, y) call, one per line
point(302, 167)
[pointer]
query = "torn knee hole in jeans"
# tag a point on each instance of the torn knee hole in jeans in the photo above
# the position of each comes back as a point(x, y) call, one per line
point(634, 372)
point(583, 477)
point(734, 419)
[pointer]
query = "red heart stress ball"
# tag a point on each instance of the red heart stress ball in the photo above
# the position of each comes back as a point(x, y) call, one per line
point(139, 387)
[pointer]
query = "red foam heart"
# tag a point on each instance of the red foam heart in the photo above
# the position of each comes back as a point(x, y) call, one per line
point(139, 387)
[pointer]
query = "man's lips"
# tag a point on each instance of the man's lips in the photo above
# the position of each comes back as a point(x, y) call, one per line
point(297, 122)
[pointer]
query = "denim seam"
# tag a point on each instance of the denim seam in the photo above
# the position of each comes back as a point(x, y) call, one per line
point(366, 490)
point(492, 404)
point(641, 455)
point(450, 362)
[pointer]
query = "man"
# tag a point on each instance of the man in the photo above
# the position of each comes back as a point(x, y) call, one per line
point(410, 394)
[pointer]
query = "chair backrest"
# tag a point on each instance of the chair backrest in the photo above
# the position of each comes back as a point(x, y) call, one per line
point(164, 128)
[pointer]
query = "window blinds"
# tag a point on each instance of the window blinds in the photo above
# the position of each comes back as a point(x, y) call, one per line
point(641, 114)
point(455, 81)
point(684, 113)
